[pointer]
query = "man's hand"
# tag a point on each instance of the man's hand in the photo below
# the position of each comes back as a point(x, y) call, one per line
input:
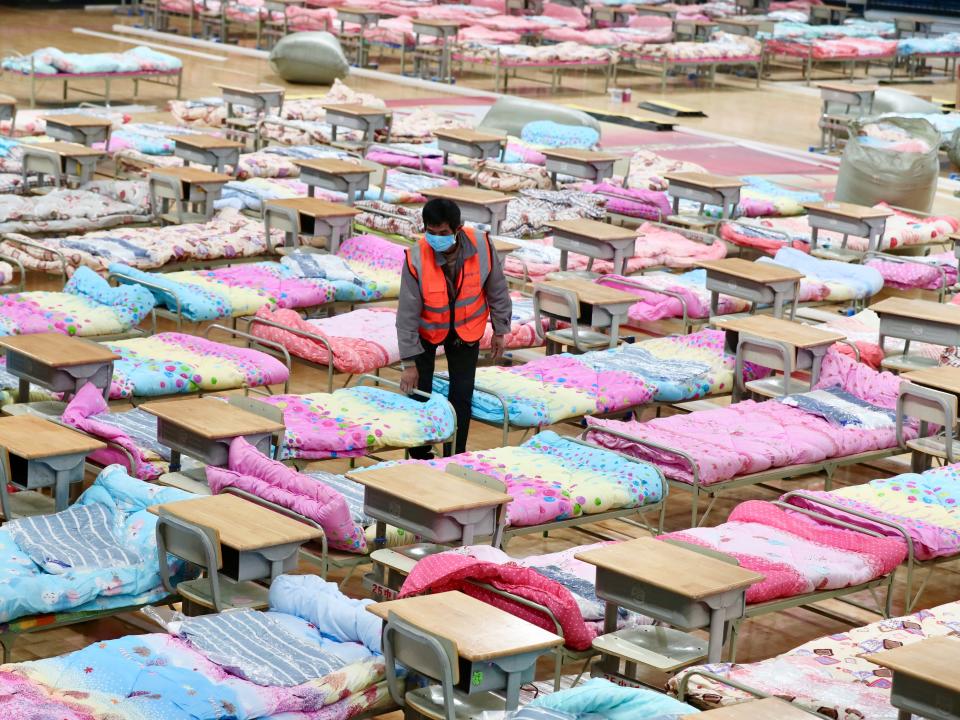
point(496, 347)
point(408, 379)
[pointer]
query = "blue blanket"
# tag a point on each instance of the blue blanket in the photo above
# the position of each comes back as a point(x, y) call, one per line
point(599, 698)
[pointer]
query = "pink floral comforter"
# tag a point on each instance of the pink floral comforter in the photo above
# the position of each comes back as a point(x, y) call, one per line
point(794, 553)
point(750, 437)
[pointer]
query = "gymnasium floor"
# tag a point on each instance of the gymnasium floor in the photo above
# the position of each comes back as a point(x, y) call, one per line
point(764, 131)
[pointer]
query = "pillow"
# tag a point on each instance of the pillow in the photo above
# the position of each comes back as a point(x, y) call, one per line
point(552, 134)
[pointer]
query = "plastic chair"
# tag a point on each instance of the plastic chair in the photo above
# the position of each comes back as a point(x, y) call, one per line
point(564, 305)
point(201, 546)
point(437, 659)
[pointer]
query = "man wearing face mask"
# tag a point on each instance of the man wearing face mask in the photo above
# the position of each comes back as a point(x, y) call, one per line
point(452, 285)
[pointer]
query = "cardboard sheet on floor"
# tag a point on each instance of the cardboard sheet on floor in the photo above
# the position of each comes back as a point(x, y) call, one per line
point(669, 108)
point(637, 121)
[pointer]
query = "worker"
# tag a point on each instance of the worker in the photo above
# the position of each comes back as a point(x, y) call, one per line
point(451, 286)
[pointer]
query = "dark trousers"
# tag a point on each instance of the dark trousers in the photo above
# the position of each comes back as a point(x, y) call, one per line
point(462, 366)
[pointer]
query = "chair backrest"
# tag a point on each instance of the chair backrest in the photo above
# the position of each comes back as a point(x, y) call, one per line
point(709, 552)
point(193, 543)
point(477, 477)
point(556, 301)
point(420, 651)
point(257, 407)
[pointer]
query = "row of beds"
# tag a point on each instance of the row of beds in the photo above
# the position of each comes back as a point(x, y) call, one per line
point(620, 468)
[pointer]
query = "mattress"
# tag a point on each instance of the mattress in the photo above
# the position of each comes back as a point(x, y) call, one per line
point(98, 204)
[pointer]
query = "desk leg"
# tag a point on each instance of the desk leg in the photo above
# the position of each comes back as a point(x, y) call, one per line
point(715, 648)
point(174, 461)
point(714, 303)
point(62, 491)
point(904, 715)
point(615, 331)
point(778, 304)
point(513, 691)
point(619, 261)
point(563, 259)
point(23, 391)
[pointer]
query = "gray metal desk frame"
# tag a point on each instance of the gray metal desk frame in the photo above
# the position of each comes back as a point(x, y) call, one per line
point(593, 170)
point(829, 124)
point(367, 124)
point(491, 214)
point(595, 315)
point(363, 19)
point(169, 188)
point(915, 697)
point(870, 228)
point(215, 158)
point(778, 294)
point(726, 198)
point(616, 250)
point(39, 161)
point(215, 452)
point(917, 329)
point(333, 229)
point(350, 184)
point(81, 135)
point(56, 379)
point(8, 111)
point(478, 150)
point(56, 471)
point(774, 355)
point(444, 33)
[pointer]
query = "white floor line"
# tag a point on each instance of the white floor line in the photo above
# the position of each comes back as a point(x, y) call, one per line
point(161, 46)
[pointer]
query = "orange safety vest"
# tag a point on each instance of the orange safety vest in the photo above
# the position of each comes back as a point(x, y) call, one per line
point(470, 310)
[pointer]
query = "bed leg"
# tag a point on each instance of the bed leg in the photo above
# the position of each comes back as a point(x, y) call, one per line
point(694, 503)
point(7, 640)
point(557, 669)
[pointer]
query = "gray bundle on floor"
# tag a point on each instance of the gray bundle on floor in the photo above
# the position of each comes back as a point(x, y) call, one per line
point(315, 58)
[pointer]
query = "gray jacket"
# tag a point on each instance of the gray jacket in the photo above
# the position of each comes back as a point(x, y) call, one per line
point(411, 302)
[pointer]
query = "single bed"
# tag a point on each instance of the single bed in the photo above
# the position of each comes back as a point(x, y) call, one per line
point(86, 307)
point(702, 58)
point(829, 675)
point(229, 237)
point(365, 340)
point(314, 655)
point(226, 292)
point(936, 271)
point(848, 418)
point(97, 557)
point(98, 204)
point(845, 52)
point(565, 387)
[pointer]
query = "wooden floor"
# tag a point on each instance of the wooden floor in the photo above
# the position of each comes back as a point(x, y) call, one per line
point(783, 115)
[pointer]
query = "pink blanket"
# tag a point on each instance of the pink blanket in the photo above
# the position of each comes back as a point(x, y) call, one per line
point(451, 571)
point(658, 246)
point(794, 553)
point(750, 437)
point(633, 202)
point(925, 274)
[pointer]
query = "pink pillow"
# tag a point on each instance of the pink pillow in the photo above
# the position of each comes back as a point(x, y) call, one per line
point(254, 472)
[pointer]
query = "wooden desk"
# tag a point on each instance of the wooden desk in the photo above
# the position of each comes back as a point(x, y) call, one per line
point(673, 584)
point(616, 15)
point(503, 248)
point(337, 175)
point(930, 396)
point(259, 97)
point(470, 143)
point(600, 306)
point(849, 94)
point(59, 363)
point(944, 377)
point(477, 206)
point(203, 428)
point(758, 283)
point(191, 192)
point(255, 542)
point(80, 129)
point(524, 7)
point(8, 111)
point(705, 189)
point(215, 152)
point(915, 25)
point(44, 454)
point(358, 117)
point(694, 30)
point(926, 680)
point(766, 709)
point(500, 649)
point(309, 217)
point(847, 219)
point(857, 101)
point(437, 505)
point(828, 14)
point(739, 26)
point(364, 17)
point(62, 161)
point(596, 240)
point(916, 320)
point(445, 31)
point(779, 345)
point(584, 164)
point(670, 12)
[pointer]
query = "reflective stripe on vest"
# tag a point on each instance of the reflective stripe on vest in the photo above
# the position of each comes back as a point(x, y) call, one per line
point(470, 310)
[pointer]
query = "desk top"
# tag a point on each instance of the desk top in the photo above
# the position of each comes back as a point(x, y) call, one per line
point(503, 246)
point(240, 524)
point(355, 108)
point(205, 142)
point(358, 11)
point(430, 488)
point(256, 89)
point(593, 229)
point(7, 100)
point(698, 23)
point(472, 195)
point(578, 155)
point(760, 272)
point(58, 350)
point(743, 22)
point(32, 437)
point(467, 135)
point(315, 207)
point(78, 120)
point(670, 567)
point(591, 293)
point(63, 149)
point(942, 378)
point(919, 309)
point(786, 331)
point(847, 87)
point(333, 166)
point(192, 175)
point(766, 709)
point(211, 419)
point(847, 210)
point(706, 180)
point(457, 617)
point(439, 23)
point(934, 660)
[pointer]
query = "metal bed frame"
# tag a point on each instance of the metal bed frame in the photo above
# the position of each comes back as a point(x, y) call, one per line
point(684, 683)
point(778, 56)
point(168, 78)
point(664, 66)
point(504, 69)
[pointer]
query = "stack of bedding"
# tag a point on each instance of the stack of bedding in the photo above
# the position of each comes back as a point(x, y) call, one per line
point(98, 204)
point(52, 61)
